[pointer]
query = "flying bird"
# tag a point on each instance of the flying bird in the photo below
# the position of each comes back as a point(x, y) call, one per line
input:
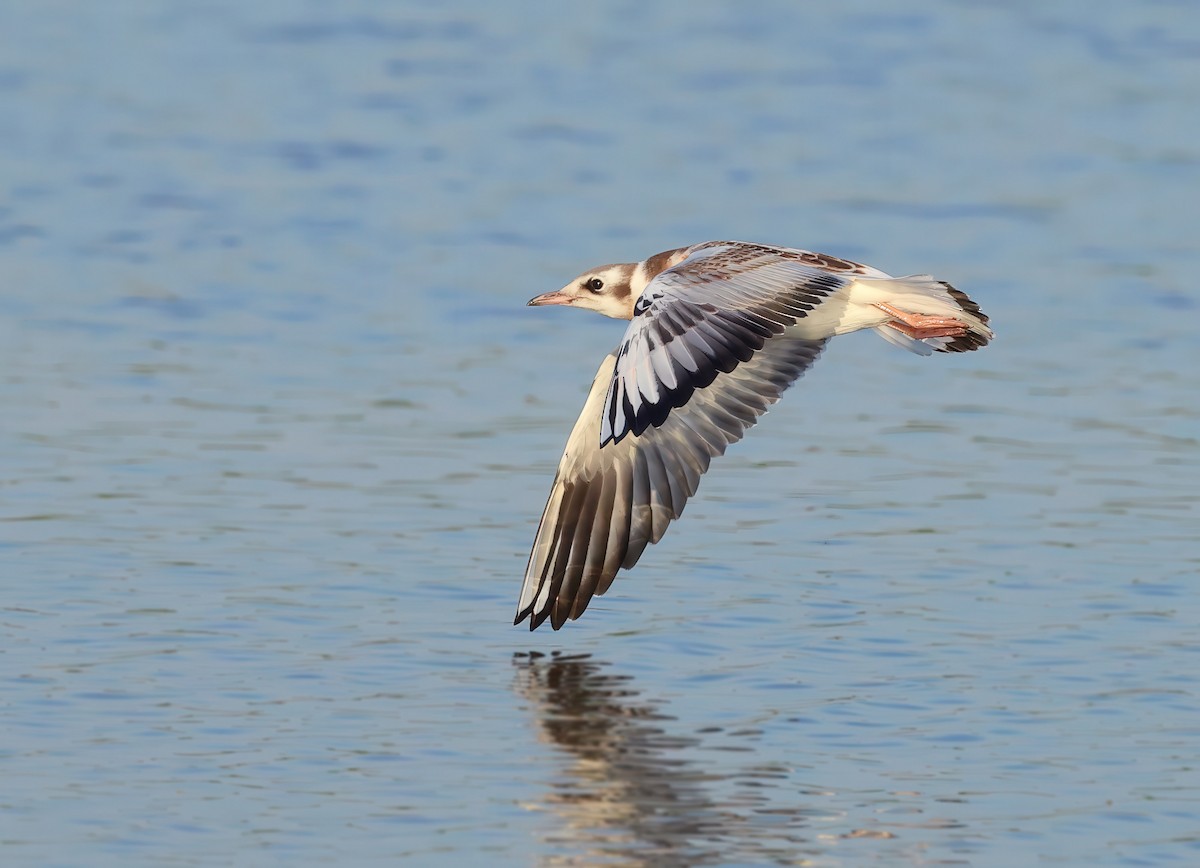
point(717, 332)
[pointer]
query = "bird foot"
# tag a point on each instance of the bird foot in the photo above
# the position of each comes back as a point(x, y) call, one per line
point(919, 325)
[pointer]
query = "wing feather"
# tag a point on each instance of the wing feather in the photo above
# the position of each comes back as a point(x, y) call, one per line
point(586, 534)
point(703, 318)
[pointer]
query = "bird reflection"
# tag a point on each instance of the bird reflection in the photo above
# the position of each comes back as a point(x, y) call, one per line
point(630, 796)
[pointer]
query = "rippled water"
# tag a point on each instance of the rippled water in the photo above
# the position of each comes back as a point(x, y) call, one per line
point(278, 427)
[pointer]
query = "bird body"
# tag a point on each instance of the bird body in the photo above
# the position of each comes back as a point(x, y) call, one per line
point(718, 331)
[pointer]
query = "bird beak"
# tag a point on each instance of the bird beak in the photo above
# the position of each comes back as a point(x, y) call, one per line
point(557, 297)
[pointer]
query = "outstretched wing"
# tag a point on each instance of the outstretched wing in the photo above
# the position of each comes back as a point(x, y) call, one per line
point(607, 504)
point(706, 316)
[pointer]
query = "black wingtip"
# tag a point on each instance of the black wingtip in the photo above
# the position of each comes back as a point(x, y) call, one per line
point(535, 619)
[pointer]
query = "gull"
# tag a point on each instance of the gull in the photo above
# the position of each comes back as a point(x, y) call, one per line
point(717, 332)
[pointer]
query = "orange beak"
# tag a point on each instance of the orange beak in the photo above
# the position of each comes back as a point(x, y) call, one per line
point(557, 297)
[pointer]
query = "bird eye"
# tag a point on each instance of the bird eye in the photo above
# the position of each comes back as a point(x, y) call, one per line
point(595, 284)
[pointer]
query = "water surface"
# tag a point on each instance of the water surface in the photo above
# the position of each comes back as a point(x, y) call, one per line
point(277, 429)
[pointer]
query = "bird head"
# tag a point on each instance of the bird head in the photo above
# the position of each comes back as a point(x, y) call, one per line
point(606, 290)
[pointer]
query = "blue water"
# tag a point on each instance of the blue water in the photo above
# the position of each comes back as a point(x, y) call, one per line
point(277, 428)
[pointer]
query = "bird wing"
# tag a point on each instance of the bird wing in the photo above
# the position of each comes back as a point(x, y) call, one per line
point(707, 352)
point(706, 316)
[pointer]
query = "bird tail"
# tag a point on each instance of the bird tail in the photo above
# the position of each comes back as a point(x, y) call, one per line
point(922, 294)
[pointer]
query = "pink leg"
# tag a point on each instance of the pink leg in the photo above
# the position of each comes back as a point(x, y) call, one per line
point(919, 325)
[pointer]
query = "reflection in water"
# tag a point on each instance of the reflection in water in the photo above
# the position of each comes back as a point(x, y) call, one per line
point(632, 797)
